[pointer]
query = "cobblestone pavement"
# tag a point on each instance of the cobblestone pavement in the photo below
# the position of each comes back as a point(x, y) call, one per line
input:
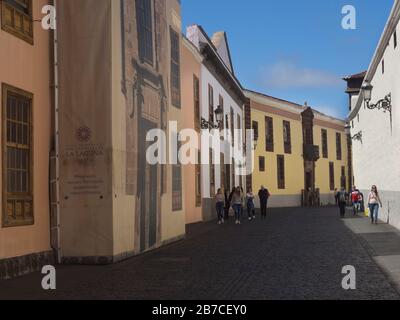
point(294, 254)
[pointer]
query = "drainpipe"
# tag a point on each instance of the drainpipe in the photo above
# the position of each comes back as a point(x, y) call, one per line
point(57, 132)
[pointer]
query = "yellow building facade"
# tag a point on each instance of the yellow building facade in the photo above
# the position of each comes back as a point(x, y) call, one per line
point(298, 150)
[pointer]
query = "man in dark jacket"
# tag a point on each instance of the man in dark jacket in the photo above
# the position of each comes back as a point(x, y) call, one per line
point(264, 195)
point(342, 196)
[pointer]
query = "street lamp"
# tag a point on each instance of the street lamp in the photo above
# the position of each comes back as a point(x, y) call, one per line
point(384, 104)
point(219, 115)
point(358, 136)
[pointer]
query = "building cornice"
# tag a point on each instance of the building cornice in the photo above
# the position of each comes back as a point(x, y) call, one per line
point(282, 107)
point(191, 47)
point(379, 52)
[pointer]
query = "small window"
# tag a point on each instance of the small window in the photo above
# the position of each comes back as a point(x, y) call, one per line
point(395, 39)
point(16, 18)
point(383, 66)
point(17, 157)
point(261, 164)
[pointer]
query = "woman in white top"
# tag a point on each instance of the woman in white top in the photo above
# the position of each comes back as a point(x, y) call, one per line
point(374, 201)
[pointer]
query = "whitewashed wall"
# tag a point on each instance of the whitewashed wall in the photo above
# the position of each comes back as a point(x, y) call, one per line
point(208, 79)
point(377, 159)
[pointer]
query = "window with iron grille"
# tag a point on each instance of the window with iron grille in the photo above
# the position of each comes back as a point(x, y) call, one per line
point(17, 157)
point(196, 95)
point(233, 126)
point(16, 18)
point(221, 104)
point(177, 201)
point(175, 70)
point(198, 181)
point(211, 103)
point(324, 139)
point(269, 134)
point(338, 146)
point(287, 137)
point(281, 171)
point(145, 30)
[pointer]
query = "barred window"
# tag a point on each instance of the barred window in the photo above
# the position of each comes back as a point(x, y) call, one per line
point(269, 134)
point(338, 146)
point(196, 97)
point(177, 201)
point(287, 137)
point(211, 103)
point(16, 18)
point(175, 69)
point(281, 171)
point(324, 134)
point(145, 30)
point(17, 157)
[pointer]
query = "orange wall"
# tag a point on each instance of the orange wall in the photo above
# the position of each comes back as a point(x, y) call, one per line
point(190, 67)
point(27, 67)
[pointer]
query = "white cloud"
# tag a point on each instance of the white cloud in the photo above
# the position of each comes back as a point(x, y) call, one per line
point(286, 74)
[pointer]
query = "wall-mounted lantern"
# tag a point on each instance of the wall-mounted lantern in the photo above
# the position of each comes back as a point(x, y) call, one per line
point(384, 104)
point(219, 115)
point(358, 136)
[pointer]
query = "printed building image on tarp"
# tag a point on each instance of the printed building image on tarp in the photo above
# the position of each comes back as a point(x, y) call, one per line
point(119, 77)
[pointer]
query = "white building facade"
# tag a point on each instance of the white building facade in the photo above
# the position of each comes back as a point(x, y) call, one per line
point(375, 131)
point(219, 88)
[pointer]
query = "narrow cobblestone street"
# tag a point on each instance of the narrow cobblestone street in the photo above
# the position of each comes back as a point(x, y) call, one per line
point(294, 254)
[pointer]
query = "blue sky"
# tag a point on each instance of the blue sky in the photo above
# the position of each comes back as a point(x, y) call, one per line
point(295, 50)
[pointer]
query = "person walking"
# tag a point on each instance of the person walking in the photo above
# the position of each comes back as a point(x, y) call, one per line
point(251, 212)
point(374, 201)
point(335, 193)
point(227, 204)
point(342, 198)
point(355, 200)
point(220, 204)
point(243, 198)
point(264, 195)
point(237, 205)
